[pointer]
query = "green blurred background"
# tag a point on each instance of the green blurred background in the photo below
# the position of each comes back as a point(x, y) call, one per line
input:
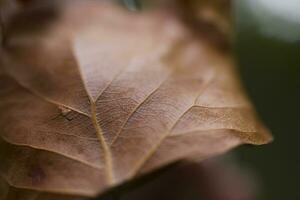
point(268, 50)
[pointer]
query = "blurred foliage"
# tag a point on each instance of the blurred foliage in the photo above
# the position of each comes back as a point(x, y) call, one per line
point(268, 47)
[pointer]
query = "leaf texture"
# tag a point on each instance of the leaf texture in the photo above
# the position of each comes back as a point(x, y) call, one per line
point(103, 96)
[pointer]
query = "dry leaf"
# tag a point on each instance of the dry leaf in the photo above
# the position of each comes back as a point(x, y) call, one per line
point(103, 96)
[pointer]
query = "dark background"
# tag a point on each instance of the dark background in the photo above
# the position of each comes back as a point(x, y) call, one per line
point(270, 68)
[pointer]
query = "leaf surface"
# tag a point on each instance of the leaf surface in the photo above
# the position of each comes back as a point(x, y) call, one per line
point(103, 96)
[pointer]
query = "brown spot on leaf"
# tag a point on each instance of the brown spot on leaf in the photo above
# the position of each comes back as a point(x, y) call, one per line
point(65, 113)
point(37, 175)
point(64, 110)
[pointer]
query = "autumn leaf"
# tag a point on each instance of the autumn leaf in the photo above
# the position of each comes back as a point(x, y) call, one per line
point(98, 96)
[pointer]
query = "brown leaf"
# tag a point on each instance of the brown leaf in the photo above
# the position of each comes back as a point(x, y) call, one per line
point(105, 95)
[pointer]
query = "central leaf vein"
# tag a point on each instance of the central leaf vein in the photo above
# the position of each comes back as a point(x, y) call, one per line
point(106, 149)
